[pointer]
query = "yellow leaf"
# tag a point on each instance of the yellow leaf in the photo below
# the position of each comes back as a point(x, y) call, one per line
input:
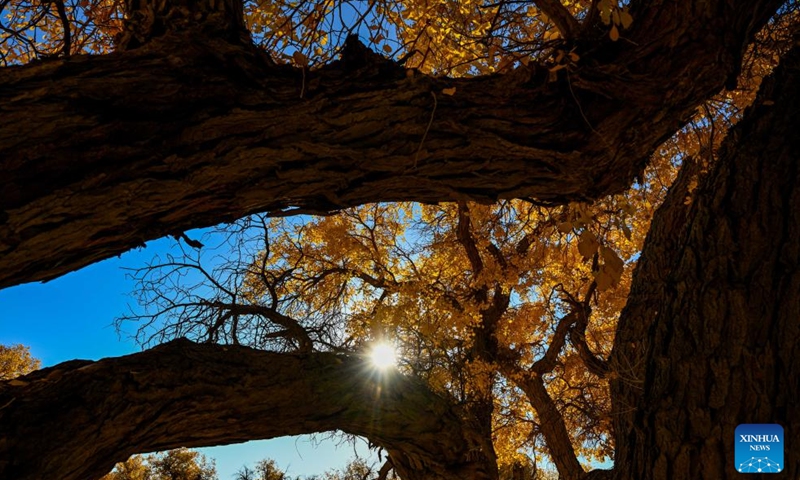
point(587, 245)
point(564, 227)
point(614, 265)
point(603, 280)
point(614, 33)
point(387, 49)
point(449, 91)
point(626, 231)
point(605, 11)
point(626, 19)
point(628, 208)
point(300, 59)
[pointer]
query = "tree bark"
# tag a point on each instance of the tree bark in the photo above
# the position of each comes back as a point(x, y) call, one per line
point(189, 125)
point(77, 419)
point(708, 339)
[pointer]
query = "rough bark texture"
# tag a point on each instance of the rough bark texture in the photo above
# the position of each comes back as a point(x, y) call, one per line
point(75, 420)
point(191, 128)
point(189, 125)
point(708, 339)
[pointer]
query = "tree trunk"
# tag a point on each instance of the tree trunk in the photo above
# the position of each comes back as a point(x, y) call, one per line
point(189, 125)
point(708, 339)
point(77, 419)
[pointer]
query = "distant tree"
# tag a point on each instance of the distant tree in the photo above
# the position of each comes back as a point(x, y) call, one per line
point(182, 464)
point(16, 360)
point(244, 473)
point(356, 469)
point(265, 469)
point(134, 468)
point(178, 464)
point(359, 469)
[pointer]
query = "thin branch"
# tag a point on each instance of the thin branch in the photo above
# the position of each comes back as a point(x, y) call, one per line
point(292, 326)
point(62, 14)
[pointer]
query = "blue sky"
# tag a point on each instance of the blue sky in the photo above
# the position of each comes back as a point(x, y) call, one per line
point(72, 317)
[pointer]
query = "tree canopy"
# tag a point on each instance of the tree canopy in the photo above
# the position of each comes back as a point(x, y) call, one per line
point(553, 129)
point(178, 464)
point(16, 360)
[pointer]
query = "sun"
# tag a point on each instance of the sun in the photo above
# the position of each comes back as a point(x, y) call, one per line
point(383, 356)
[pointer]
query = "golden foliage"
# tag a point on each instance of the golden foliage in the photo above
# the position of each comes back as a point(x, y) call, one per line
point(178, 464)
point(16, 360)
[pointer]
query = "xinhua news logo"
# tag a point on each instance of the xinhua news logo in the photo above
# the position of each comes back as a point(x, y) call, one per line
point(759, 448)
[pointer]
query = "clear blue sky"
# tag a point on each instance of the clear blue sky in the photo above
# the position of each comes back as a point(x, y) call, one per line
point(72, 317)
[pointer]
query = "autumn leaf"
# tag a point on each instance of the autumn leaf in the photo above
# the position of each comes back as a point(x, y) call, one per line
point(625, 19)
point(587, 245)
point(300, 59)
point(604, 280)
point(614, 33)
point(614, 265)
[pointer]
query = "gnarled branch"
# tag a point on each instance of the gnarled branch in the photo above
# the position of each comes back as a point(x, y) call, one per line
point(186, 394)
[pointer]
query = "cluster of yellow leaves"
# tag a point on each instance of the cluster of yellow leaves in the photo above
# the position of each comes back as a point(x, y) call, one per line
point(16, 360)
point(618, 18)
point(402, 271)
point(455, 38)
point(181, 463)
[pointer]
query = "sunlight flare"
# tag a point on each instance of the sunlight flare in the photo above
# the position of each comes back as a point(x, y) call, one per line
point(383, 356)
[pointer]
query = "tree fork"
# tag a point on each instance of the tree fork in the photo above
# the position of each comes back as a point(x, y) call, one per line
point(75, 420)
point(188, 126)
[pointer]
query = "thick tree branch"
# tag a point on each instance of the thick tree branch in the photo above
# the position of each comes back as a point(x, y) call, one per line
point(595, 364)
point(552, 426)
point(186, 394)
point(577, 332)
point(193, 128)
point(547, 363)
point(566, 24)
point(465, 238)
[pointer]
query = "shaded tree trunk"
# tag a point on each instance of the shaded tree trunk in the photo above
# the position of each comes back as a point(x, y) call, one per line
point(190, 125)
point(77, 419)
point(708, 339)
